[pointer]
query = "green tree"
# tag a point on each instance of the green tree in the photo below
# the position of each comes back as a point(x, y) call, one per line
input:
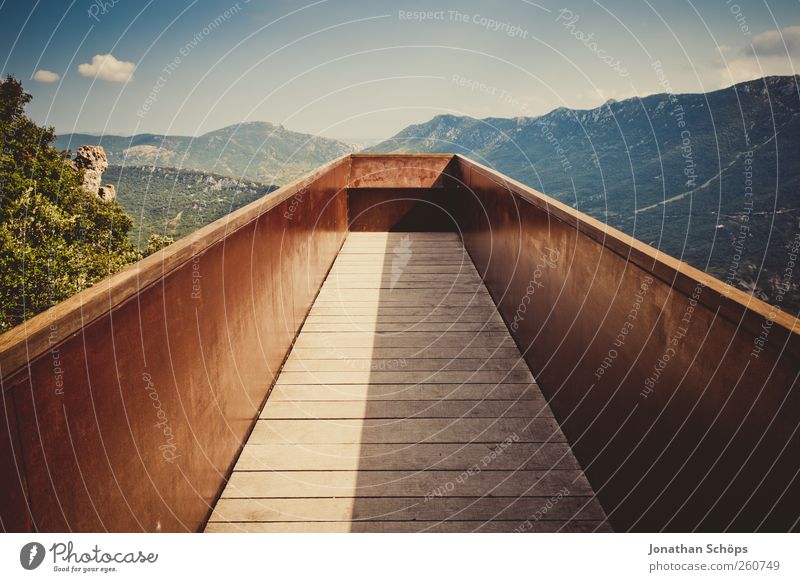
point(55, 238)
point(156, 242)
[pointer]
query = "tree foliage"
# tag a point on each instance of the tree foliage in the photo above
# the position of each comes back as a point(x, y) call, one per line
point(156, 242)
point(55, 238)
point(173, 203)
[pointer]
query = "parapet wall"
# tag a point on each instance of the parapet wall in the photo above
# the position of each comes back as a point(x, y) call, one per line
point(126, 406)
point(677, 393)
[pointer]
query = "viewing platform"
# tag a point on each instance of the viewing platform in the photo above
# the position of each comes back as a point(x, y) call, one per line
point(403, 343)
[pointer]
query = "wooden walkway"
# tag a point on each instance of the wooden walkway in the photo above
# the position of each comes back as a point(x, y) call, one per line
point(405, 406)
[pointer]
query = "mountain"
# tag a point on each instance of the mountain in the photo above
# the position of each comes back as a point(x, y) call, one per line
point(256, 151)
point(174, 202)
point(713, 179)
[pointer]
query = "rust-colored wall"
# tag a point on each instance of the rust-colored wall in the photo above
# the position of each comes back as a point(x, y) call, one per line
point(195, 351)
point(399, 171)
point(401, 209)
point(714, 444)
point(14, 507)
point(401, 193)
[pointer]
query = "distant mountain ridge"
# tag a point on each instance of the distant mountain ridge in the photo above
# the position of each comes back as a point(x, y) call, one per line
point(256, 150)
point(713, 179)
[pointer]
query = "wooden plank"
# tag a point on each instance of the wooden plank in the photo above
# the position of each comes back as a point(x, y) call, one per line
point(399, 275)
point(298, 484)
point(497, 526)
point(418, 298)
point(403, 457)
point(309, 339)
point(404, 241)
point(367, 251)
point(430, 316)
point(409, 430)
point(346, 302)
point(415, 252)
point(387, 287)
point(400, 297)
point(423, 326)
point(452, 352)
point(387, 235)
point(401, 242)
point(379, 264)
point(461, 277)
point(375, 310)
point(297, 364)
point(398, 234)
point(426, 280)
point(391, 248)
point(377, 269)
point(396, 392)
point(344, 269)
point(387, 247)
point(406, 377)
point(407, 509)
point(403, 319)
point(404, 409)
point(462, 285)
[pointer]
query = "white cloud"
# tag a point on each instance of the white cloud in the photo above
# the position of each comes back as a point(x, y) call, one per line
point(777, 42)
point(108, 68)
point(772, 52)
point(749, 68)
point(45, 76)
point(740, 70)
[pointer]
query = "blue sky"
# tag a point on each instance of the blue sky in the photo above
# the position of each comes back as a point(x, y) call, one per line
point(367, 69)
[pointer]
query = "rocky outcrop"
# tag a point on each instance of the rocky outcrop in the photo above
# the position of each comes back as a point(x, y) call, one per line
point(92, 161)
point(107, 192)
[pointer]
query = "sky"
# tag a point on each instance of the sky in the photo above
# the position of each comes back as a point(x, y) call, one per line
point(364, 70)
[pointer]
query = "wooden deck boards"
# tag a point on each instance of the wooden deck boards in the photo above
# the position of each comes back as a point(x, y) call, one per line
point(405, 406)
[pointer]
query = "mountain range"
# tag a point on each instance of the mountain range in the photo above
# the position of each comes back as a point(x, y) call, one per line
point(256, 150)
point(712, 178)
